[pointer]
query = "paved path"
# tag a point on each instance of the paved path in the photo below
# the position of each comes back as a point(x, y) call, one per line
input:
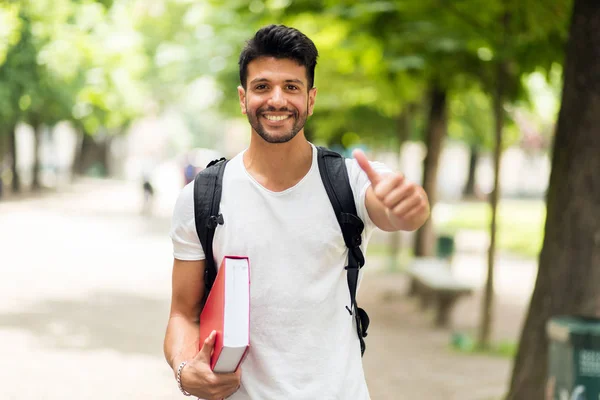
point(84, 298)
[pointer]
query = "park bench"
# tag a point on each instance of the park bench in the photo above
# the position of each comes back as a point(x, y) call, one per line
point(434, 284)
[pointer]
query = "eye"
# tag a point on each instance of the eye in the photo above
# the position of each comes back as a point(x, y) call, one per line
point(292, 87)
point(260, 87)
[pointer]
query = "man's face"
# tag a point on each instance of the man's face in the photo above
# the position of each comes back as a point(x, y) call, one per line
point(276, 100)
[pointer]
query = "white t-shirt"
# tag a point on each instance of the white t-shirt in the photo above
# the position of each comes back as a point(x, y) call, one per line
point(303, 341)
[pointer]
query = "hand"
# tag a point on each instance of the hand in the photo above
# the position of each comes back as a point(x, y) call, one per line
point(404, 200)
point(198, 379)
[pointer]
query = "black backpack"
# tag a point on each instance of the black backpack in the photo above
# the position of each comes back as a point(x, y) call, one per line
point(207, 197)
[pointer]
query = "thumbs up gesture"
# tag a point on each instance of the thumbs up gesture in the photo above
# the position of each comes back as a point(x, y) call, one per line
point(198, 379)
point(394, 202)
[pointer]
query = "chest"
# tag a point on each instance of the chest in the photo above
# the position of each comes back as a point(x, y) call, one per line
point(291, 222)
point(294, 243)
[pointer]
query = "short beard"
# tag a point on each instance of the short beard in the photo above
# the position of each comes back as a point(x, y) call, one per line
point(260, 129)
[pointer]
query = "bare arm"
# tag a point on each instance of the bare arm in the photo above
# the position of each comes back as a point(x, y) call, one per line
point(181, 339)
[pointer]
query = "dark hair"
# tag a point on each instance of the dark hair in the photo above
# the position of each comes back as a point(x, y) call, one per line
point(280, 41)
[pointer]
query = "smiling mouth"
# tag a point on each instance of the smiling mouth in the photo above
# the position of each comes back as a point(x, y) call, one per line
point(276, 118)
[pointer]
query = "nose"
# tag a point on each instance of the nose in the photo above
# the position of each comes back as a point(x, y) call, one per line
point(277, 99)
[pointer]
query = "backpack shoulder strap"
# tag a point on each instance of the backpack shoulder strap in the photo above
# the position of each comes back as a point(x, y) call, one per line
point(208, 186)
point(334, 174)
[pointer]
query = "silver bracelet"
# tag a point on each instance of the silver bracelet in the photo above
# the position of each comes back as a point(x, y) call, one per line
point(179, 379)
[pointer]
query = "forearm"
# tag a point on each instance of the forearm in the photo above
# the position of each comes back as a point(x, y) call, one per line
point(181, 340)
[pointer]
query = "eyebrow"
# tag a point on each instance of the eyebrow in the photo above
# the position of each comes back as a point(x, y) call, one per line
point(297, 81)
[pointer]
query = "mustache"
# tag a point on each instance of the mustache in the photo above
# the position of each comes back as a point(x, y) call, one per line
point(273, 109)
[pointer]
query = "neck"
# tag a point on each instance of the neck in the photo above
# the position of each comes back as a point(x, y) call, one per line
point(278, 166)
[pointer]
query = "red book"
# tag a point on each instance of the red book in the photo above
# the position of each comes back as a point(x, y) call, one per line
point(227, 311)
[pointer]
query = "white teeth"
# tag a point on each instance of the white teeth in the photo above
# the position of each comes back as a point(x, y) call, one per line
point(276, 117)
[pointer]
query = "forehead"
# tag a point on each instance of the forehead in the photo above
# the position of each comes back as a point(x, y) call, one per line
point(274, 69)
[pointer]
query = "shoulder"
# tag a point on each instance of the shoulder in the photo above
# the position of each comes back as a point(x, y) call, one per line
point(184, 206)
point(186, 244)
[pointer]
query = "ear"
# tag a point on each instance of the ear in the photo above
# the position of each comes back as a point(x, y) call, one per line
point(312, 94)
point(242, 96)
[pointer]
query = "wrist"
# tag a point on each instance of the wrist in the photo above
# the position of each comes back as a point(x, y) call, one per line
point(175, 364)
point(178, 375)
point(406, 224)
point(398, 223)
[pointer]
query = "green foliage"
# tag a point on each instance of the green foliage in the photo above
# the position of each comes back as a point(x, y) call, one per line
point(381, 55)
point(102, 63)
point(472, 121)
point(10, 28)
point(113, 92)
point(18, 73)
point(66, 60)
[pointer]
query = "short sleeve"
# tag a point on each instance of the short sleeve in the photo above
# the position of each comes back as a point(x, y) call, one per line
point(360, 183)
point(186, 245)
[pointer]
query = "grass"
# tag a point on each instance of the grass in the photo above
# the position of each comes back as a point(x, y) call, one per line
point(464, 343)
point(382, 250)
point(520, 223)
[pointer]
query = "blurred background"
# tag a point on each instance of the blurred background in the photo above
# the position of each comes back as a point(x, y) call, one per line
point(108, 107)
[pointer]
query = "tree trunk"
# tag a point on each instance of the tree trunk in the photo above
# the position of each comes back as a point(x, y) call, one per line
point(469, 189)
point(77, 159)
point(436, 131)
point(2, 158)
point(3, 149)
point(80, 163)
point(488, 295)
point(16, 179)
point(568, 275)
point(93, 156)
point(403, 132)
point(104, 156)
point(35, 183)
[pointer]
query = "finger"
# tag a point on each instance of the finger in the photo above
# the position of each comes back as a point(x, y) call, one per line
point(227, 379)
point(364, 164)
point(230, 393)
point(388, 184)
point(225, 387)
point(207, 348)
point(238, 374)
point(396, 196)
point(416, 210)
point(405, 207)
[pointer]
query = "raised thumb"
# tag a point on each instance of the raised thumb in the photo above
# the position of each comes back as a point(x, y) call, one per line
point(364, 164)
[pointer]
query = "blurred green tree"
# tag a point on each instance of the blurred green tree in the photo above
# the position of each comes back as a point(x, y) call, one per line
point(47, 97)
point(111, 91)
point(568, 266)
point(79, 62)
point(18, 79)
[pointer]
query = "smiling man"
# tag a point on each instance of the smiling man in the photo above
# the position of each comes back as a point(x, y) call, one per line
point(276, 101)
point(303, 343)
